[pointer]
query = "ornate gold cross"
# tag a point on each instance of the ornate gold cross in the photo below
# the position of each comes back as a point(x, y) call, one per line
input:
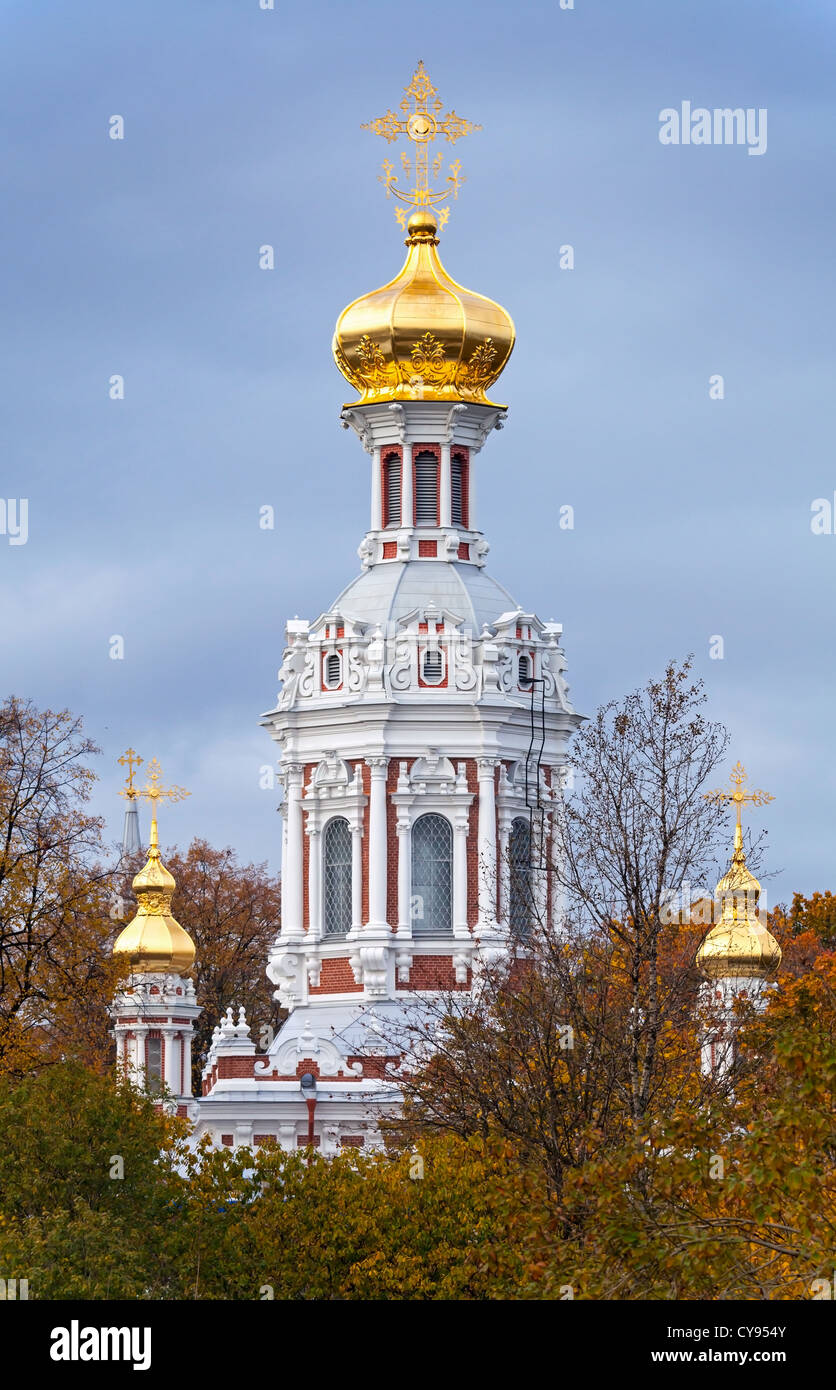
point(153, 792)
point(737, 796)
point(421, 122)
point(131, 760)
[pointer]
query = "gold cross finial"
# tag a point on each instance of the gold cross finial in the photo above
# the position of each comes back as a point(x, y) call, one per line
point(737, 796)
point(421, 122)
point(153, 792)
point(131, 760)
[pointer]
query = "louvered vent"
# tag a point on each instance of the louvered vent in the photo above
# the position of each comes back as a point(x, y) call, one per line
point(333, 670)
point(525, 672)
point(457, 515)
point(433, 667)
point(392, 491)
point(426, 490)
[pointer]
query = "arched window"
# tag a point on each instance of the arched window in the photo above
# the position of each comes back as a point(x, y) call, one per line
point(525, 672)
point(392, 490)
point(458, 490)
point(432, 876)
point(333, 670)
point(519, 854)
point(336, 878)
point(426, 489)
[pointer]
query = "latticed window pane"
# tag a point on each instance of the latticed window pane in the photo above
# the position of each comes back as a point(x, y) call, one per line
point(392, 491)
point(426, 490)
point(336, 878)
point(432, 875)
point(154, 1065)
point(519, 853)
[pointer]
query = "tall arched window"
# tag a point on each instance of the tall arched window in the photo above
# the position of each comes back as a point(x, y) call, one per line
point(392, 490)
point(432, 876)
point(519, 854)
point(458, 490)
point(426, 489)
point(336, 878)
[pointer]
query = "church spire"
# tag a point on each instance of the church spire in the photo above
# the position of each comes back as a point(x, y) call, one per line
point(131, 837)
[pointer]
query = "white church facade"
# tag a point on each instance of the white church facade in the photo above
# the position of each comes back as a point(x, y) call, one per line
point(422, 732)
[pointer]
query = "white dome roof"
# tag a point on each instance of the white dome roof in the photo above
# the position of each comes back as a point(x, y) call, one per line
point(386, 592)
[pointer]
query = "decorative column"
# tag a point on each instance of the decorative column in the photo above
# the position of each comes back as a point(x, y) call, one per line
point(446, 499)
point(486, 841)
point(292, 924)
point(356, 873)
point(504, 869)
point(314, 923)
point(377, 504)
point(404, 875)
point(460, 827)
point(377, 842)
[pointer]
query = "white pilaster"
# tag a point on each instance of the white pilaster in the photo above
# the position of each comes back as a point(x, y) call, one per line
point(406, 489)
point(404, 877)
point(356, 873)
point(486, 841)
point(292, 871)
point(377, 502)
point(460, 927)
point(314, 880)
point(377, 842)
point(445, 513)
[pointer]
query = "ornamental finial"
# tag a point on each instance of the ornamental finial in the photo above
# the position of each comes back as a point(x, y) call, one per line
point(421, 122)
point(738, 798)
point(153, 792)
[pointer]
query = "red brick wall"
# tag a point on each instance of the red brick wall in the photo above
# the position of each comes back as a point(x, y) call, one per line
point(432, 972)
point(337, 977)
point(235, 1066)
point(352, 1141)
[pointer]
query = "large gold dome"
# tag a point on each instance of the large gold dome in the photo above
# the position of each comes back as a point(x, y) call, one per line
point(422, 336)
point(154, 941)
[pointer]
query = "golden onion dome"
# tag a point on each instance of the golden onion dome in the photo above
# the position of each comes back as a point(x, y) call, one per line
point(422, 336)
point(153, 940)
point(739, 945)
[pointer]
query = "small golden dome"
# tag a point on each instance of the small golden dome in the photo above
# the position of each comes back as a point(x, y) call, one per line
point(422, 336)
point(153, 940)
point(739, 946)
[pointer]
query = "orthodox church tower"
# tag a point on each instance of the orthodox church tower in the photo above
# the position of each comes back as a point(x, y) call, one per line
point(154, 1011)
point(739, 955)
point(423, 719)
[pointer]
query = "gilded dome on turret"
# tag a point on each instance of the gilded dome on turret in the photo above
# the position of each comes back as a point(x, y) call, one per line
point(154, 940)
point(422, 336)
point(740, 945)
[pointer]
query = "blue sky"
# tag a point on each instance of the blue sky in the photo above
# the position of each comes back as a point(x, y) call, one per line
point(242, 127)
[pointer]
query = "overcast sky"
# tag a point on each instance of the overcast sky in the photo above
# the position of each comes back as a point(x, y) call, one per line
point(139, 257)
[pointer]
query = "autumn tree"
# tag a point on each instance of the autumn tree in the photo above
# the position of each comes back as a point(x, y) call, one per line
point(590, 1028)
point(56, 974)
